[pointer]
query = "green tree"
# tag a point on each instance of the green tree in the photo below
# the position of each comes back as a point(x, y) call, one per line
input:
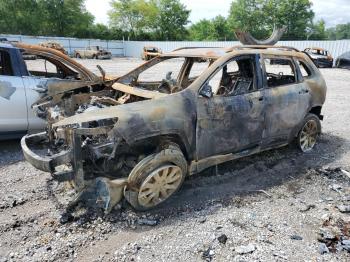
point(45, 17)
point(171, 20)
point(66, 17)
point(247, 15)
point(339, 32)
point(153, 19)
point(134, 16)
point(202, 30)
point(260, 16)
point(20, 17)
point(216, 29)
point(318, 31)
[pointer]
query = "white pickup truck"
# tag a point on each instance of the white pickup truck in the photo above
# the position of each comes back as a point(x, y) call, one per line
point(23, 83)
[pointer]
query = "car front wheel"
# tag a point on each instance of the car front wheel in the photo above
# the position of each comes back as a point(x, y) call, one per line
point(156, 178)
point(309, 133)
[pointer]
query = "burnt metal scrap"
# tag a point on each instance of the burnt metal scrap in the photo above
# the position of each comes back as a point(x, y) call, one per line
point(247, 39)
point(141, 138)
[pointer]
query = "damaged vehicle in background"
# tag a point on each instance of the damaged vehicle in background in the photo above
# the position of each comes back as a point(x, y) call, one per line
point(23, 83)
point(93, 52)
point(320, 56)
point(150, 52)
point(142, 138)
point(343, 61)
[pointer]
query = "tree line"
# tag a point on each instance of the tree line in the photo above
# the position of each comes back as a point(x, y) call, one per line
point(165, 20)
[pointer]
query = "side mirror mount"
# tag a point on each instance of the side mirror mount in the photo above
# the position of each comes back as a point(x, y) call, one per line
point(206, 91)
point(103, 72)
point(168, 75)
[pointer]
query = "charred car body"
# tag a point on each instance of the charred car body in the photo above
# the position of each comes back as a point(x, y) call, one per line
point(143, 138)
point(23, 83)
point(320, 56)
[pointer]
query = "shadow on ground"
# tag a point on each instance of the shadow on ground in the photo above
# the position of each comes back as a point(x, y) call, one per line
point(10, 152)
point(248, 176)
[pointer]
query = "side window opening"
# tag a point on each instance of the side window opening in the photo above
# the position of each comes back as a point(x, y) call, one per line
point(304, 69)
point(198, 67)
point(5, 64)
point(43, 67)
point(195, 67)
point(235, 78)
point(279, 72)
point(162, 77)
point(163, 70)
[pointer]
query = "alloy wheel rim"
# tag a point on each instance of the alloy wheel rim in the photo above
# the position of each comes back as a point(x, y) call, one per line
point(159, 185)
point(308, 136)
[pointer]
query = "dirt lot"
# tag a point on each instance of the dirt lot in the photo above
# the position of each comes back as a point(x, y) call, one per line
point(280, 205)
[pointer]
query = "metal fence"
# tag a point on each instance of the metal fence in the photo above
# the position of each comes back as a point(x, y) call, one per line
point(336, 48)
point(134, 48)
point(70, 44)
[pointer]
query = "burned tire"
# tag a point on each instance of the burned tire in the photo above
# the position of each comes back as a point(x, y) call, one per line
point(155, 178)
point(309, 132)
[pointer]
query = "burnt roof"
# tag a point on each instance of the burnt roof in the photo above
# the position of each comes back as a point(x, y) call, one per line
point(216, 52)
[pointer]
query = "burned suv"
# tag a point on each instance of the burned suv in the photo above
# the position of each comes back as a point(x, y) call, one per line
point(143, 138)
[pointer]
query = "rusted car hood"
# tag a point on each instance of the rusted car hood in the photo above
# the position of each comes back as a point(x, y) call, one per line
point(121, 112)
point(153, 116)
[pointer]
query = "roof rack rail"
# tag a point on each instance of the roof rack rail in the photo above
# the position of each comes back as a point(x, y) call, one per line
point(286, 48)
point(195, 47)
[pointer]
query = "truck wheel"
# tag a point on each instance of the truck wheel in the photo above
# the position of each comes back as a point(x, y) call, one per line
point(155, 178)
point(309, 132)
point(78, 55)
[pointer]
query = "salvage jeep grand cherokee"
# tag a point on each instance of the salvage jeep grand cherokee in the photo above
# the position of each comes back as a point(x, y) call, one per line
point(145, 137)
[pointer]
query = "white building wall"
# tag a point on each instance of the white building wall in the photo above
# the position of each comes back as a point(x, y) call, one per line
point(70, 44)
point(134, 48)
point(336, 48)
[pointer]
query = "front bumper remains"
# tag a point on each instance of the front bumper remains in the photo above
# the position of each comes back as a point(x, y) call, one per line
point(100, 191)
point(31, 145)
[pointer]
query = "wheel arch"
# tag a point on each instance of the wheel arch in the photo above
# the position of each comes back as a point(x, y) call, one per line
point(316, 110)
point(160, 140)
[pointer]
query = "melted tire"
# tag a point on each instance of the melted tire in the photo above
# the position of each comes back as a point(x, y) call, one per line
point(171, 155)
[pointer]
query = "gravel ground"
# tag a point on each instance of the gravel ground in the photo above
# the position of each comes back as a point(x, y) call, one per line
point(280, 205)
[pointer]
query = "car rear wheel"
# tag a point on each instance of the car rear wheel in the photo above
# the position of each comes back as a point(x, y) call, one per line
point(156, 178)
point(309, 133)
point(78, 55)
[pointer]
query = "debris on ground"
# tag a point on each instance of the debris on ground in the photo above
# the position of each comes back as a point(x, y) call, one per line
point(245, 249)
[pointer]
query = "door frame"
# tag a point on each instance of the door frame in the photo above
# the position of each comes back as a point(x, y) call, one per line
point(258, 84)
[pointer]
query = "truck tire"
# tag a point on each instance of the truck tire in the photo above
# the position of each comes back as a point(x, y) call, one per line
point(155, 178)
point(77, 55)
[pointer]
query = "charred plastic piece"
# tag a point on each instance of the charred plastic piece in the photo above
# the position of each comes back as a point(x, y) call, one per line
point(247, 39)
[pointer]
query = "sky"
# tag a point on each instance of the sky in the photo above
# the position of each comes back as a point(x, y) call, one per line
point(332, 11)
